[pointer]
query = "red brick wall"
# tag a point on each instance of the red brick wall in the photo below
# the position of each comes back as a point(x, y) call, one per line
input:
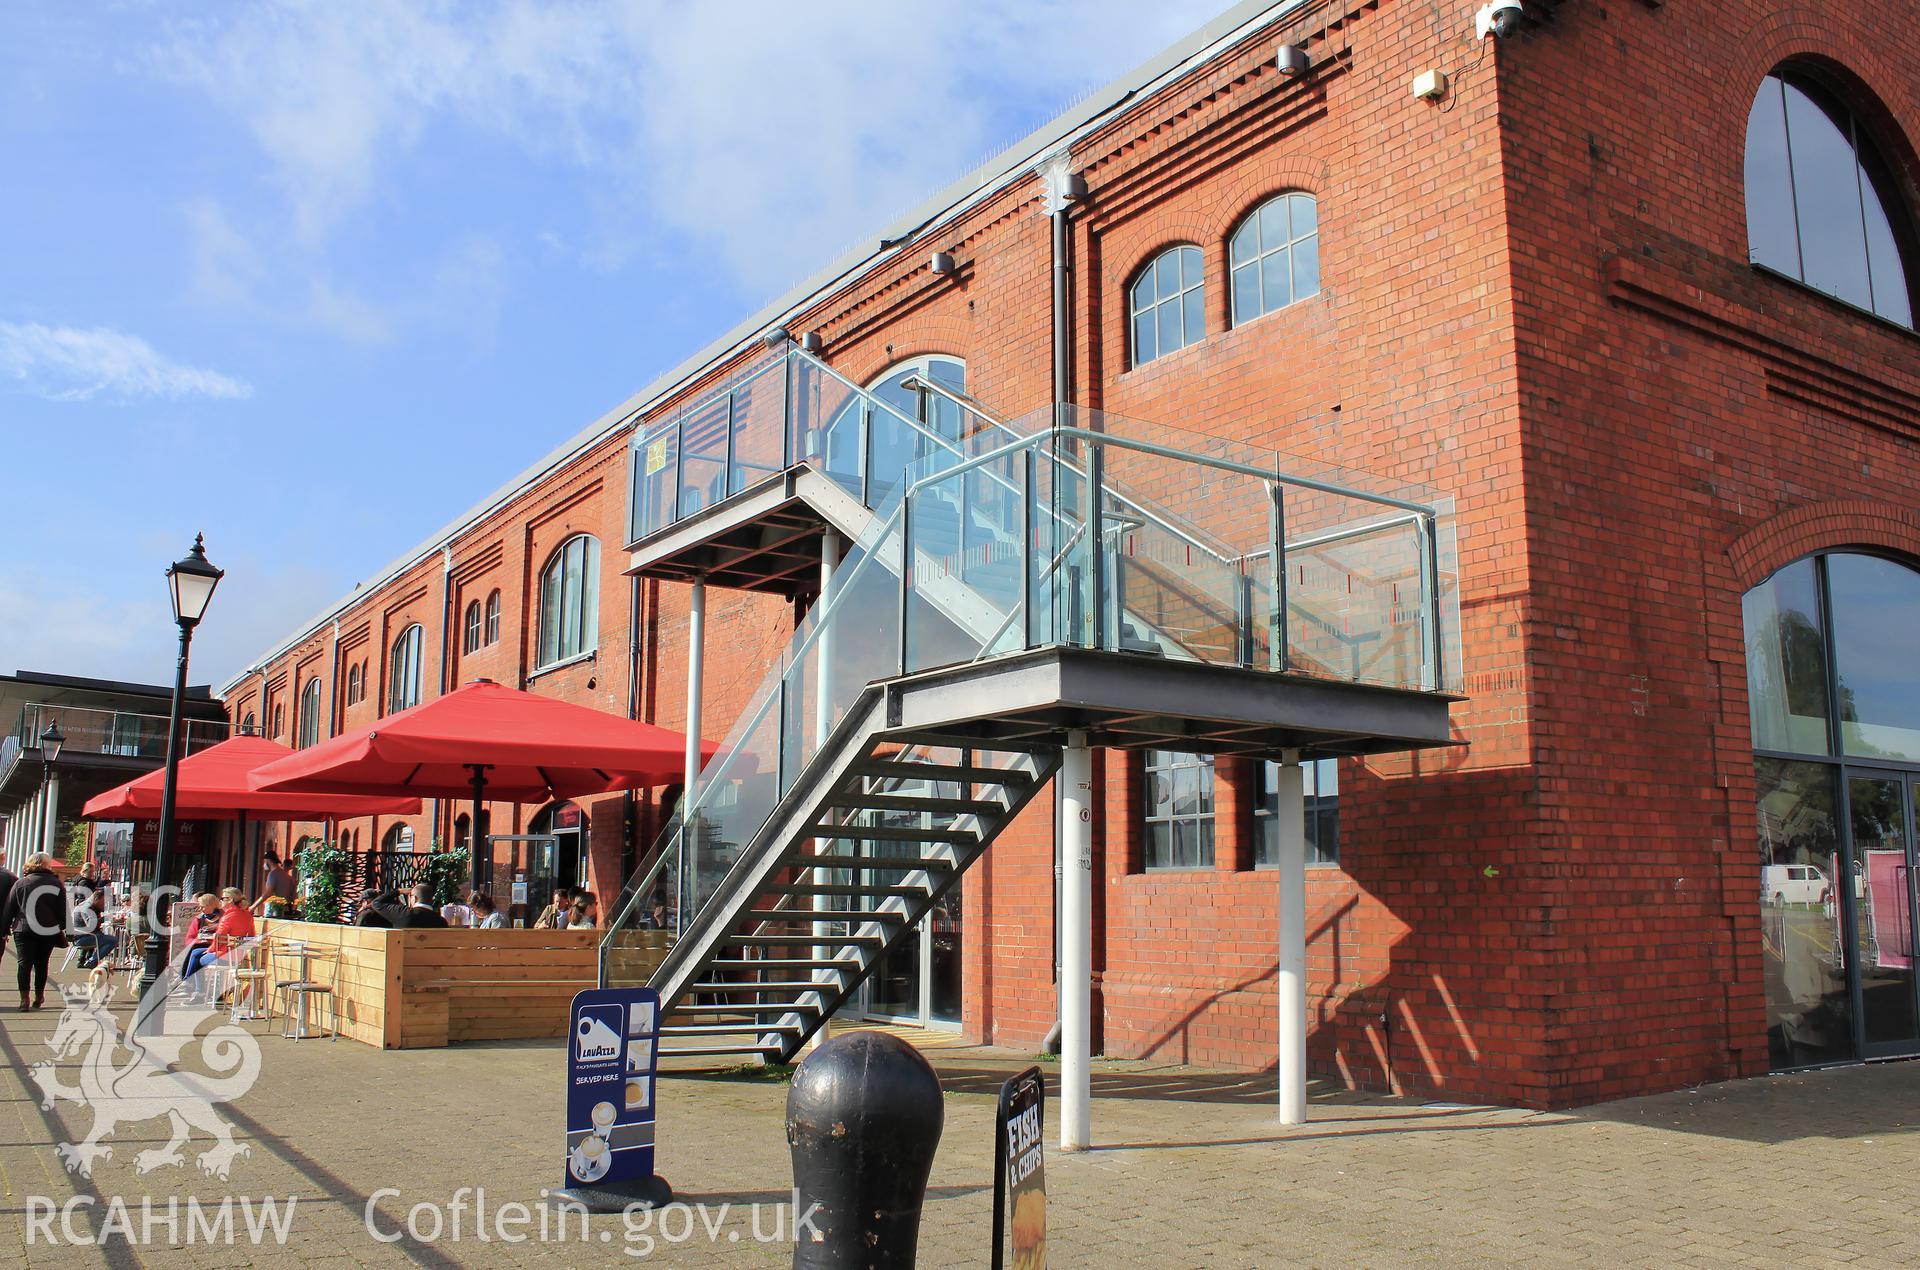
point(1674, 457)
point(1534, 299)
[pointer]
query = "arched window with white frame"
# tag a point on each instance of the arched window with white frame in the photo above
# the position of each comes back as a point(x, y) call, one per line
point(403, 670)
point(1274, 256)
point(1168, 303)
point(309, 721)
point(570, 601)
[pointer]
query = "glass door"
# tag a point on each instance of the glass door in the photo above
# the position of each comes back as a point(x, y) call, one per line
point(1880, 817)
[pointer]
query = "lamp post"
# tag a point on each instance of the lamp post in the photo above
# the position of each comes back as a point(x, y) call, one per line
point(50, 742)
point(191, 581)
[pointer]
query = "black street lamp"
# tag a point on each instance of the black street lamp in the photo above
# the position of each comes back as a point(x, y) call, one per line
point(50, 742)
point(191, 580)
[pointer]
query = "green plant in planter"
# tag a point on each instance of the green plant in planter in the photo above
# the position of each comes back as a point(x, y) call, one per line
point(323, 867)
point(447, 873)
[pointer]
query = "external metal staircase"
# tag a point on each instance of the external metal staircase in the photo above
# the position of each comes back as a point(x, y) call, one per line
point(1012, 582)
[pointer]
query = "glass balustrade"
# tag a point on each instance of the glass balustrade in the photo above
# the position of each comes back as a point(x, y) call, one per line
point(93, 731)
point(1065, 528)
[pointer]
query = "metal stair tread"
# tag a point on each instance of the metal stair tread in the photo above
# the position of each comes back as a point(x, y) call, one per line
point(892, 833)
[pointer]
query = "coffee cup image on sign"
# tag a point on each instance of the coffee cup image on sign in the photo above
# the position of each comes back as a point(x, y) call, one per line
point(640, 1019)
point(604, 1115)
point(637, 1093)
point(591, 1159)
point(639, 1056)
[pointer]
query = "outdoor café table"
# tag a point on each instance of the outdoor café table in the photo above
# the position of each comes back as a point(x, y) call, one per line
point(299, 987)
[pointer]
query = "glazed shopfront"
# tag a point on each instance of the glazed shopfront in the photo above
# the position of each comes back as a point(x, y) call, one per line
point(1834, 692)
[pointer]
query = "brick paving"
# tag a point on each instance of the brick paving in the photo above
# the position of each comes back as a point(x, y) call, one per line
point(1814, 1169)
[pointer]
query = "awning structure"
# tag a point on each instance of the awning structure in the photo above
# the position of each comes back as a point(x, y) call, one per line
point(515, 746)
point(216, 783)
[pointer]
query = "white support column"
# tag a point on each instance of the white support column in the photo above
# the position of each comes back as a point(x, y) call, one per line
point(1076, 943)
point(696, 669)
point(1290, 819)
point(822, 728)
point(37, 827)
point(53, 816)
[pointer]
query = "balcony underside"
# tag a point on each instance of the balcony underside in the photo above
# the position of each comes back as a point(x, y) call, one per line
point(766, 538)
point(82, 775)
point(1127, 701)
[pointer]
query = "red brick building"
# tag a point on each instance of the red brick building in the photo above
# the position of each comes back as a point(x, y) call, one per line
point(1597, 287)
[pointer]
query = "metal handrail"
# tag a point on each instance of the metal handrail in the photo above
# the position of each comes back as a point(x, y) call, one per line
point(1189, 536)
point(796, 655)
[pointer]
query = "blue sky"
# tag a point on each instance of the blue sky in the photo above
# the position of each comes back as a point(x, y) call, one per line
point(315, 277)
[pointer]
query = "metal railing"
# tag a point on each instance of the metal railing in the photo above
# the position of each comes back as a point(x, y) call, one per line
point(1232, 566)
point(93, 730)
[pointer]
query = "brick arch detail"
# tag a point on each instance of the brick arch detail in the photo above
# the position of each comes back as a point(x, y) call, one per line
point(1820, 34)
point(864, 359)
point(1186, 231)
point(1801, 531)
point(1258, 182)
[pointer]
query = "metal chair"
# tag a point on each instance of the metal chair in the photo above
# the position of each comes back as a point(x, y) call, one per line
point(301, 990)
point(244, 977)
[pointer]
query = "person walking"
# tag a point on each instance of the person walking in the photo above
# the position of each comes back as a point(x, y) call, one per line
point(7, 879)
point(36, 917)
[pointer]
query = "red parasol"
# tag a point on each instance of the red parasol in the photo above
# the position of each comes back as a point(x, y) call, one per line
point(215, 783)
point(516, 746)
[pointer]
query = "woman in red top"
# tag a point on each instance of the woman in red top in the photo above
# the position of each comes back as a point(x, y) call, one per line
point(235, 924)
point(214, 933)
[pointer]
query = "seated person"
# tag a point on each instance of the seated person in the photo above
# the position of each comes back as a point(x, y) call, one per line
point(421, 916)
point(199, 939)
point(557, 913)
point(456, 913)
point(234, 924)
point(485, 915)
point(95, 942)
point(383, 911)
point(584, 913)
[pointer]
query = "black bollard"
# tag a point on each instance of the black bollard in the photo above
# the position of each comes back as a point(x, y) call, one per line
point(864, 1116)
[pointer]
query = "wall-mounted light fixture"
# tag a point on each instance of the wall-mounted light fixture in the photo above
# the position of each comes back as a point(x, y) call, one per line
point(941, 263)
point(811, 342)
point(1292, 60)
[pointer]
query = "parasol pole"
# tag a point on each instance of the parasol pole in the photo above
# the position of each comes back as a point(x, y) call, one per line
point(479, 771)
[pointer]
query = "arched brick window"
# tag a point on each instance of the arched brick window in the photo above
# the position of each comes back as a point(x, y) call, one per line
point(1168, 303)
point(1274, 256)
point(1822, 205)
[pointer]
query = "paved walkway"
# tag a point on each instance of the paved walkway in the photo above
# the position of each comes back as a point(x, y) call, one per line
point(1815, 1169)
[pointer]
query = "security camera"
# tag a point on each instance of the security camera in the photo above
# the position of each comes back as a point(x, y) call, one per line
point(1500, 18)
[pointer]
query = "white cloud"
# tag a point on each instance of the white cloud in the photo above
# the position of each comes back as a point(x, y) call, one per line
point(770, 134)
point(118, 627)
point(461, 288)
point(64, 363)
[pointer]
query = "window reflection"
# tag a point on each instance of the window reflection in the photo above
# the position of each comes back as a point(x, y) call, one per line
point(1876, 605)
point(1808, 1014)
point(1820, 201)
point(1787, 662)
point(1883, 917)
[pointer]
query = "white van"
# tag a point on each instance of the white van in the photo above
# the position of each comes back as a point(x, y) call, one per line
point(1794, 884)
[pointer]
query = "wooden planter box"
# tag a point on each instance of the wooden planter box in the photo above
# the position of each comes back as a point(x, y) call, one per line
point(417, 989)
